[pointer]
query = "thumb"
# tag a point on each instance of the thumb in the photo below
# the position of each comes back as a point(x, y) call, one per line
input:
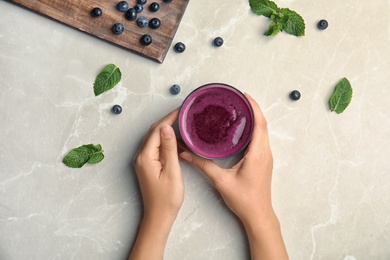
point(168, 146)
point(207, 166)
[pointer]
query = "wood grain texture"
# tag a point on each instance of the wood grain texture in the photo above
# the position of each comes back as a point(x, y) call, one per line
point(76, 13)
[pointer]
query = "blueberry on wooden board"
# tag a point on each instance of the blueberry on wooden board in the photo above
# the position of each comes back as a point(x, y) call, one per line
point(122, 6)
point(131, 14)
point(179, 47)
point(322, 24)
point(116, 109)
point(153, 7)
point(155, 23)
point(118, 28)
point(138, 8)
point(96, 12)
point(295, 95)
point(142, 21)
point(175, 89)
point(167, 1)
point(218, 42)
point(146, 40)
point(141, 2)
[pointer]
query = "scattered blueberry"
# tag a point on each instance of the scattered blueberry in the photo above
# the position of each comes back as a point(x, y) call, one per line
point(142, 21)
point(175, 89)
point(122, 6)
point(155, 23)
point(118, 28)
point(131, 14)
point(167, 1)
point(218, 42)
point(96, 12)
point(180, 47)
point(141, 2)
point(116, 109)
point(295, 95)
point(153, 7)
point(138, 8)
point(146, 40)
point(322, 24)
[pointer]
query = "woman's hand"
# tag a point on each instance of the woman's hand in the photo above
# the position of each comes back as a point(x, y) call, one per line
point(161, 182)
point(246, 190)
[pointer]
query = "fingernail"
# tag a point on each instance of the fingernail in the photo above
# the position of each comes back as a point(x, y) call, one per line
point(186, 156)
point(166, 131)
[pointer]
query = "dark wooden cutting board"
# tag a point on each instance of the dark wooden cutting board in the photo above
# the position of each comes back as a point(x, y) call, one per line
point(76, 13)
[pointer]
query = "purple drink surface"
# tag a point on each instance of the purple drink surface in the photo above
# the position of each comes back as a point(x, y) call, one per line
point(216, 121)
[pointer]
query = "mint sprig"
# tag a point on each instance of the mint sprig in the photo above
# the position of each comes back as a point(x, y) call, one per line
point(284, 19)
point(107, 79)
point(81, 155)
point(341, 96)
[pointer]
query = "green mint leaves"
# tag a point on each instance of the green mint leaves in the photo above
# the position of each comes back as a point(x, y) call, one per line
point(284, 19)
point(81, 155)
point(341, 96)
point(107, 79)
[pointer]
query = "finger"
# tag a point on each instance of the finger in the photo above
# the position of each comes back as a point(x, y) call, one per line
point(168, 152)
point(152, 138)
point(259, 140)
point(208, 167)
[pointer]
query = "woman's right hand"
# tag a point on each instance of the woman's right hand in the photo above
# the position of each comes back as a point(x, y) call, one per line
point(246, 190)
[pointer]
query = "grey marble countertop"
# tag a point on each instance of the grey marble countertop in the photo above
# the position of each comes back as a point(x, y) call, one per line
point(331, 184)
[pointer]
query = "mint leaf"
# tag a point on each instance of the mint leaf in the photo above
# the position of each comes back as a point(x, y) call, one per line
point(263, 7)
point(107, 79)
point(81, 155)
point(341, 96)
point(292, 22)
point(284, 19)
point(273, 29)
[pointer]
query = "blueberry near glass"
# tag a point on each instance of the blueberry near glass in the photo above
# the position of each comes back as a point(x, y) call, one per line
point(216, 121)
point(175, 89)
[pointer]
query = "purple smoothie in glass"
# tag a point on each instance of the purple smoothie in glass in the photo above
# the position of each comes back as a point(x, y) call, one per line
point(216, 121)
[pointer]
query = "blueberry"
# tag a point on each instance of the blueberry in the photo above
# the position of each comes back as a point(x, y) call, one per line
point(146, 40)
point(180, 47)
point(218, 42)
point(141, 2)
point(122, 6)
point(155, 23)
point(153, 7)
point(96, 12)
point(295, 95)
point(322, 24)
point(131, 14)
point(118, 28)
point(142, 21)
point(116, 109)
point(138, 8)
point(175, 89)
point(167, 1)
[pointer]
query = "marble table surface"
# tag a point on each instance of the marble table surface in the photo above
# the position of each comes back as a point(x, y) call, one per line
point(331, 184)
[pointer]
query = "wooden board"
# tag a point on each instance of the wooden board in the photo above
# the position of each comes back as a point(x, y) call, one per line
point(76, 13)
